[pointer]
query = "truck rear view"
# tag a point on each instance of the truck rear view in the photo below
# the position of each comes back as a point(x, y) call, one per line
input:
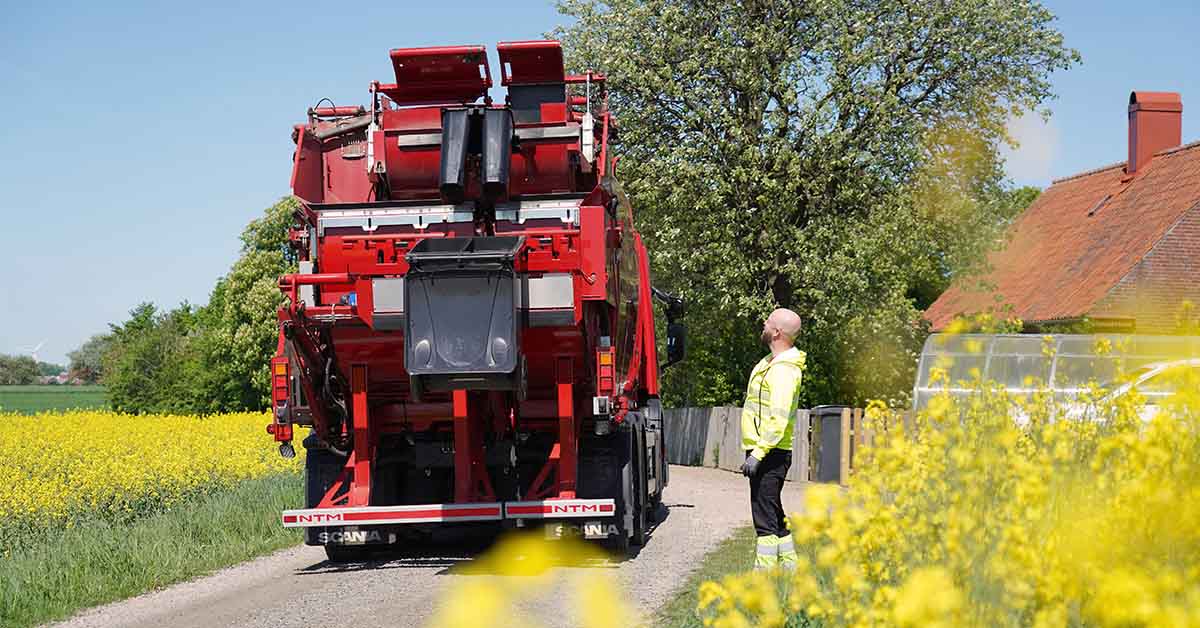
point(471, 334)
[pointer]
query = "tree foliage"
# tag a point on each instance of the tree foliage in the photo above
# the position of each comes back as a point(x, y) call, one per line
point(208, 359)
point(836, 157)
point(18, 370)
point(87, 362)
point(145, 367)
point(47, 369)
point(239, 322)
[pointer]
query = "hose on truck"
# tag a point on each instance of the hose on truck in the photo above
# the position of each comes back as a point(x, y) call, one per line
point(334, 402)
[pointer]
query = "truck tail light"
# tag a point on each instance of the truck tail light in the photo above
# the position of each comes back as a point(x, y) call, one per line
point(605, 372)
point(281, 424)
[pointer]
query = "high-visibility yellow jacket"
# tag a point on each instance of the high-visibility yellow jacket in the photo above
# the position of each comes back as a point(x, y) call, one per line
point(771, 399)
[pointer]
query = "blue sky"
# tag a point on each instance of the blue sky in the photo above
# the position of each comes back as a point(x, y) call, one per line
point(139, 138)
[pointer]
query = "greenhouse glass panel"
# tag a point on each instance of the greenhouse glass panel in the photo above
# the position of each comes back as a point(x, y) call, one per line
point(1067, 364)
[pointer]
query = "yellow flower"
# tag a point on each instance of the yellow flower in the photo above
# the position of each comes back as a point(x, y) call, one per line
point(847, 577)
point(60, 468)
point(709, 594)
point(928, 598)
point(473, 603)
point(1124, 598)
point(969, 518)
point(599, 603)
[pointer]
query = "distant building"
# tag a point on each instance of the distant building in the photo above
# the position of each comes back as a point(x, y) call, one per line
point(1118, 246)
point(62, 378)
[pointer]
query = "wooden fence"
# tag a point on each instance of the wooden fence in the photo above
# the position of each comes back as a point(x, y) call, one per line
point(712, 437)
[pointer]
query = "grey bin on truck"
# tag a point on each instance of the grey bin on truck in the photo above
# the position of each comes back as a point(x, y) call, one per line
point(463, 327)
point(829, 458)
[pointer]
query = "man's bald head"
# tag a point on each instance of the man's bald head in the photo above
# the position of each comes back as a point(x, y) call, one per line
point(780, 330)
point(786, 321)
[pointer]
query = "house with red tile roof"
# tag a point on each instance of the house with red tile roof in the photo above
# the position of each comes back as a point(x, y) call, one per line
point(1118, 246)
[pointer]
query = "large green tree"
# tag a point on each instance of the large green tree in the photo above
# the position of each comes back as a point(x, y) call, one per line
point(209, 359)
point(18, 370)
point(838, 157)
point(87, 362)
point(146, 364)
point(239, 326)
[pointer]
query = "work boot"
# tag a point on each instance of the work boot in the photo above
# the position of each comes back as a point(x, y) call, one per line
point(767, 555)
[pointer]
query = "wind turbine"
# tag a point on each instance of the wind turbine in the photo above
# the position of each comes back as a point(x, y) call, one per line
point(33, 353)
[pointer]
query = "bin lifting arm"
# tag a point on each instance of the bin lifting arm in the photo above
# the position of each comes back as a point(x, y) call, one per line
point(675, 307)
point(675, 330)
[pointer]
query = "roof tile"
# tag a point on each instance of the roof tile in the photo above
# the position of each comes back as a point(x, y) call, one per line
point(1059, 262)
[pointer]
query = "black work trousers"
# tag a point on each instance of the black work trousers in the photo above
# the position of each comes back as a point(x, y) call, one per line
point(766, 488)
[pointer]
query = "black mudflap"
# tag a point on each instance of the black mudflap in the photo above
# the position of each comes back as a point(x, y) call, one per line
point(321, 469)
point(609, 467)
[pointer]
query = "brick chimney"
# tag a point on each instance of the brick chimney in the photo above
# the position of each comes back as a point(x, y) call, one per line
point(1155, 124)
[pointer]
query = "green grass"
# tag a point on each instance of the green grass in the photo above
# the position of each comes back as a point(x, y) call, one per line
point(56, 574)
point(734, 555)
point(33, 399)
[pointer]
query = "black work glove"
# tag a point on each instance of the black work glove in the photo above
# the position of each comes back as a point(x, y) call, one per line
point(750, 466)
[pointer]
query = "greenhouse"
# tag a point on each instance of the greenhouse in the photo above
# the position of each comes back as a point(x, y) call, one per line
point(1067, 364)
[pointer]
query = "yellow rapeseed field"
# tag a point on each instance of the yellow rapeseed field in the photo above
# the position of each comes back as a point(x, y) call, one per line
point(59, 468)
point(975, 521)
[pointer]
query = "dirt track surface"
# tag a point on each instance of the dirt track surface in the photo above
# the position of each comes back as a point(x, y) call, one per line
point(298, 587)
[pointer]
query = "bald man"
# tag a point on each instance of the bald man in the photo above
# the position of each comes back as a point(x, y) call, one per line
point(767, 424)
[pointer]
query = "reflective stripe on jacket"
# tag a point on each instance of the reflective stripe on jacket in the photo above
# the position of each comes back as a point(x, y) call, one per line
point(771, 399)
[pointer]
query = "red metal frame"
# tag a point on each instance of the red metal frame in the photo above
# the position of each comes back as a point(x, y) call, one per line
point(568, 432)
point(360, 489)
point(471, 482)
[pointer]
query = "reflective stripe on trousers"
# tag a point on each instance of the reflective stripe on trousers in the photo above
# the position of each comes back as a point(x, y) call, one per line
point(787, 552)
point(774, 551)
point(767, 552)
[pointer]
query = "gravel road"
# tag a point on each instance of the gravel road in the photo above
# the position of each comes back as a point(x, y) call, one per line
point(298, 587)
